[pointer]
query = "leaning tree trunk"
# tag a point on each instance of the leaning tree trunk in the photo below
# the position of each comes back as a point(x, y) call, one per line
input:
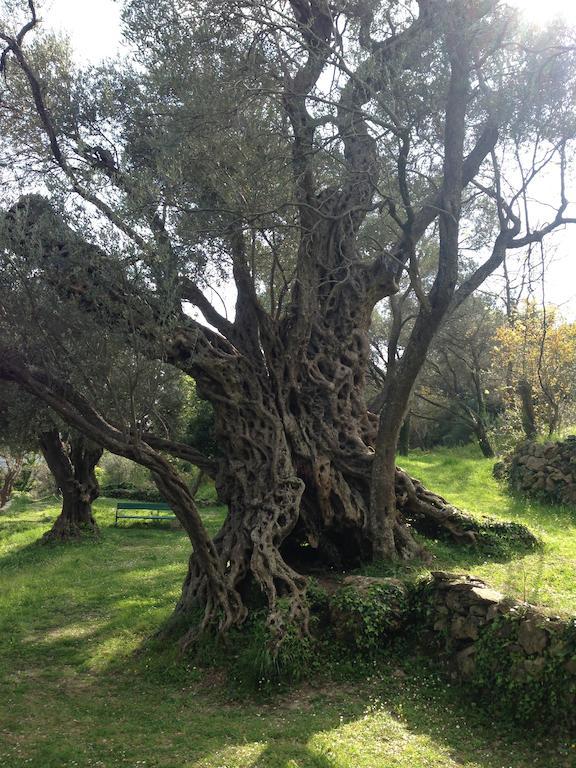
point(483, 440)
point(527, 411)
point(72, 462)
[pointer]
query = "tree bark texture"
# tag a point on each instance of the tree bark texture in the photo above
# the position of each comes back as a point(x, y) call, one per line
point(527, 411)
point(296, 471)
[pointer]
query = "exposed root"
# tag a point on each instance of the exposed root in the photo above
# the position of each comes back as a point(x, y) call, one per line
point(429, 512)
point(249, 552)
point(407, 548)
point(248, 549)
point(274, 576)
point(222, 605)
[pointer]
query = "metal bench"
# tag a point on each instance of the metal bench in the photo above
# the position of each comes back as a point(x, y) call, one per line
point(141, 506)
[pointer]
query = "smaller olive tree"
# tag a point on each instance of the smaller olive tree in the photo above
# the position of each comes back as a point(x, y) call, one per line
point(458, 382)
point(138, 395)
point(29, 428)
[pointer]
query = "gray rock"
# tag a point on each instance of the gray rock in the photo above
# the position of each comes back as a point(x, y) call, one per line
point(532, 637)
point(465, 628)
point(466, 661)
point(487, 595)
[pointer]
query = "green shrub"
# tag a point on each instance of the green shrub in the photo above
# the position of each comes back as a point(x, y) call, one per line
point(365, 618)
point(264, 662)
point(119, 472)
point(132, 494)
point(318, 598)
point(43, 482)
point(499, 539)
point(253, 658)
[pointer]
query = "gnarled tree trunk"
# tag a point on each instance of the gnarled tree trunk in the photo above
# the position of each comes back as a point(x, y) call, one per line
point(72, 462)
point(296, 473)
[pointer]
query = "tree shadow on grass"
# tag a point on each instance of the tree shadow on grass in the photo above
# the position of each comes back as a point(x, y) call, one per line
point(213, 518)
point(445, 555)
point(37, 552)
point(393, 722)
point(467, 556)
point(384, 723)
point(553, 520)
point(152, 714)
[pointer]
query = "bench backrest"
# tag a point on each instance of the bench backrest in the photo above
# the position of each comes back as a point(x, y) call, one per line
point(143, 505)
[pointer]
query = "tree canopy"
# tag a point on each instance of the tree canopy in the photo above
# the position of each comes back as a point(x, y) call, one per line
point(309, 158)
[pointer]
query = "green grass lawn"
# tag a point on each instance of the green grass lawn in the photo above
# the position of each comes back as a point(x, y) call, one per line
point(79, 688)
point(546, 576)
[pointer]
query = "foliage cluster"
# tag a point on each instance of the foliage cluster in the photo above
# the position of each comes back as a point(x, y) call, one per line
point(501, 539)
point(482, 360)
point(365, 619)
point(263, 665)
point(117, 472)
point(539, 349)
point(120, 478)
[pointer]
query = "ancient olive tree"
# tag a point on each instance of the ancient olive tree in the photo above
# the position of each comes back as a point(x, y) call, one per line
point(255, 147)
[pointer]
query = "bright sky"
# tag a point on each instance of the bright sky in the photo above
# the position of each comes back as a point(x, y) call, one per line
point(94, 28)
point(93, 25)
point(541, 10)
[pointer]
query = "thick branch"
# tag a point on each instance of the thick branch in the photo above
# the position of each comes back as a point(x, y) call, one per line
point(396, 259)
point(81, 271)
point(181, 451)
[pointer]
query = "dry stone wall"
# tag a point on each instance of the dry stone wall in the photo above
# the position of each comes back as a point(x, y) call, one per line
point(462, 607)
point(524, 659)
point(545, 470)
